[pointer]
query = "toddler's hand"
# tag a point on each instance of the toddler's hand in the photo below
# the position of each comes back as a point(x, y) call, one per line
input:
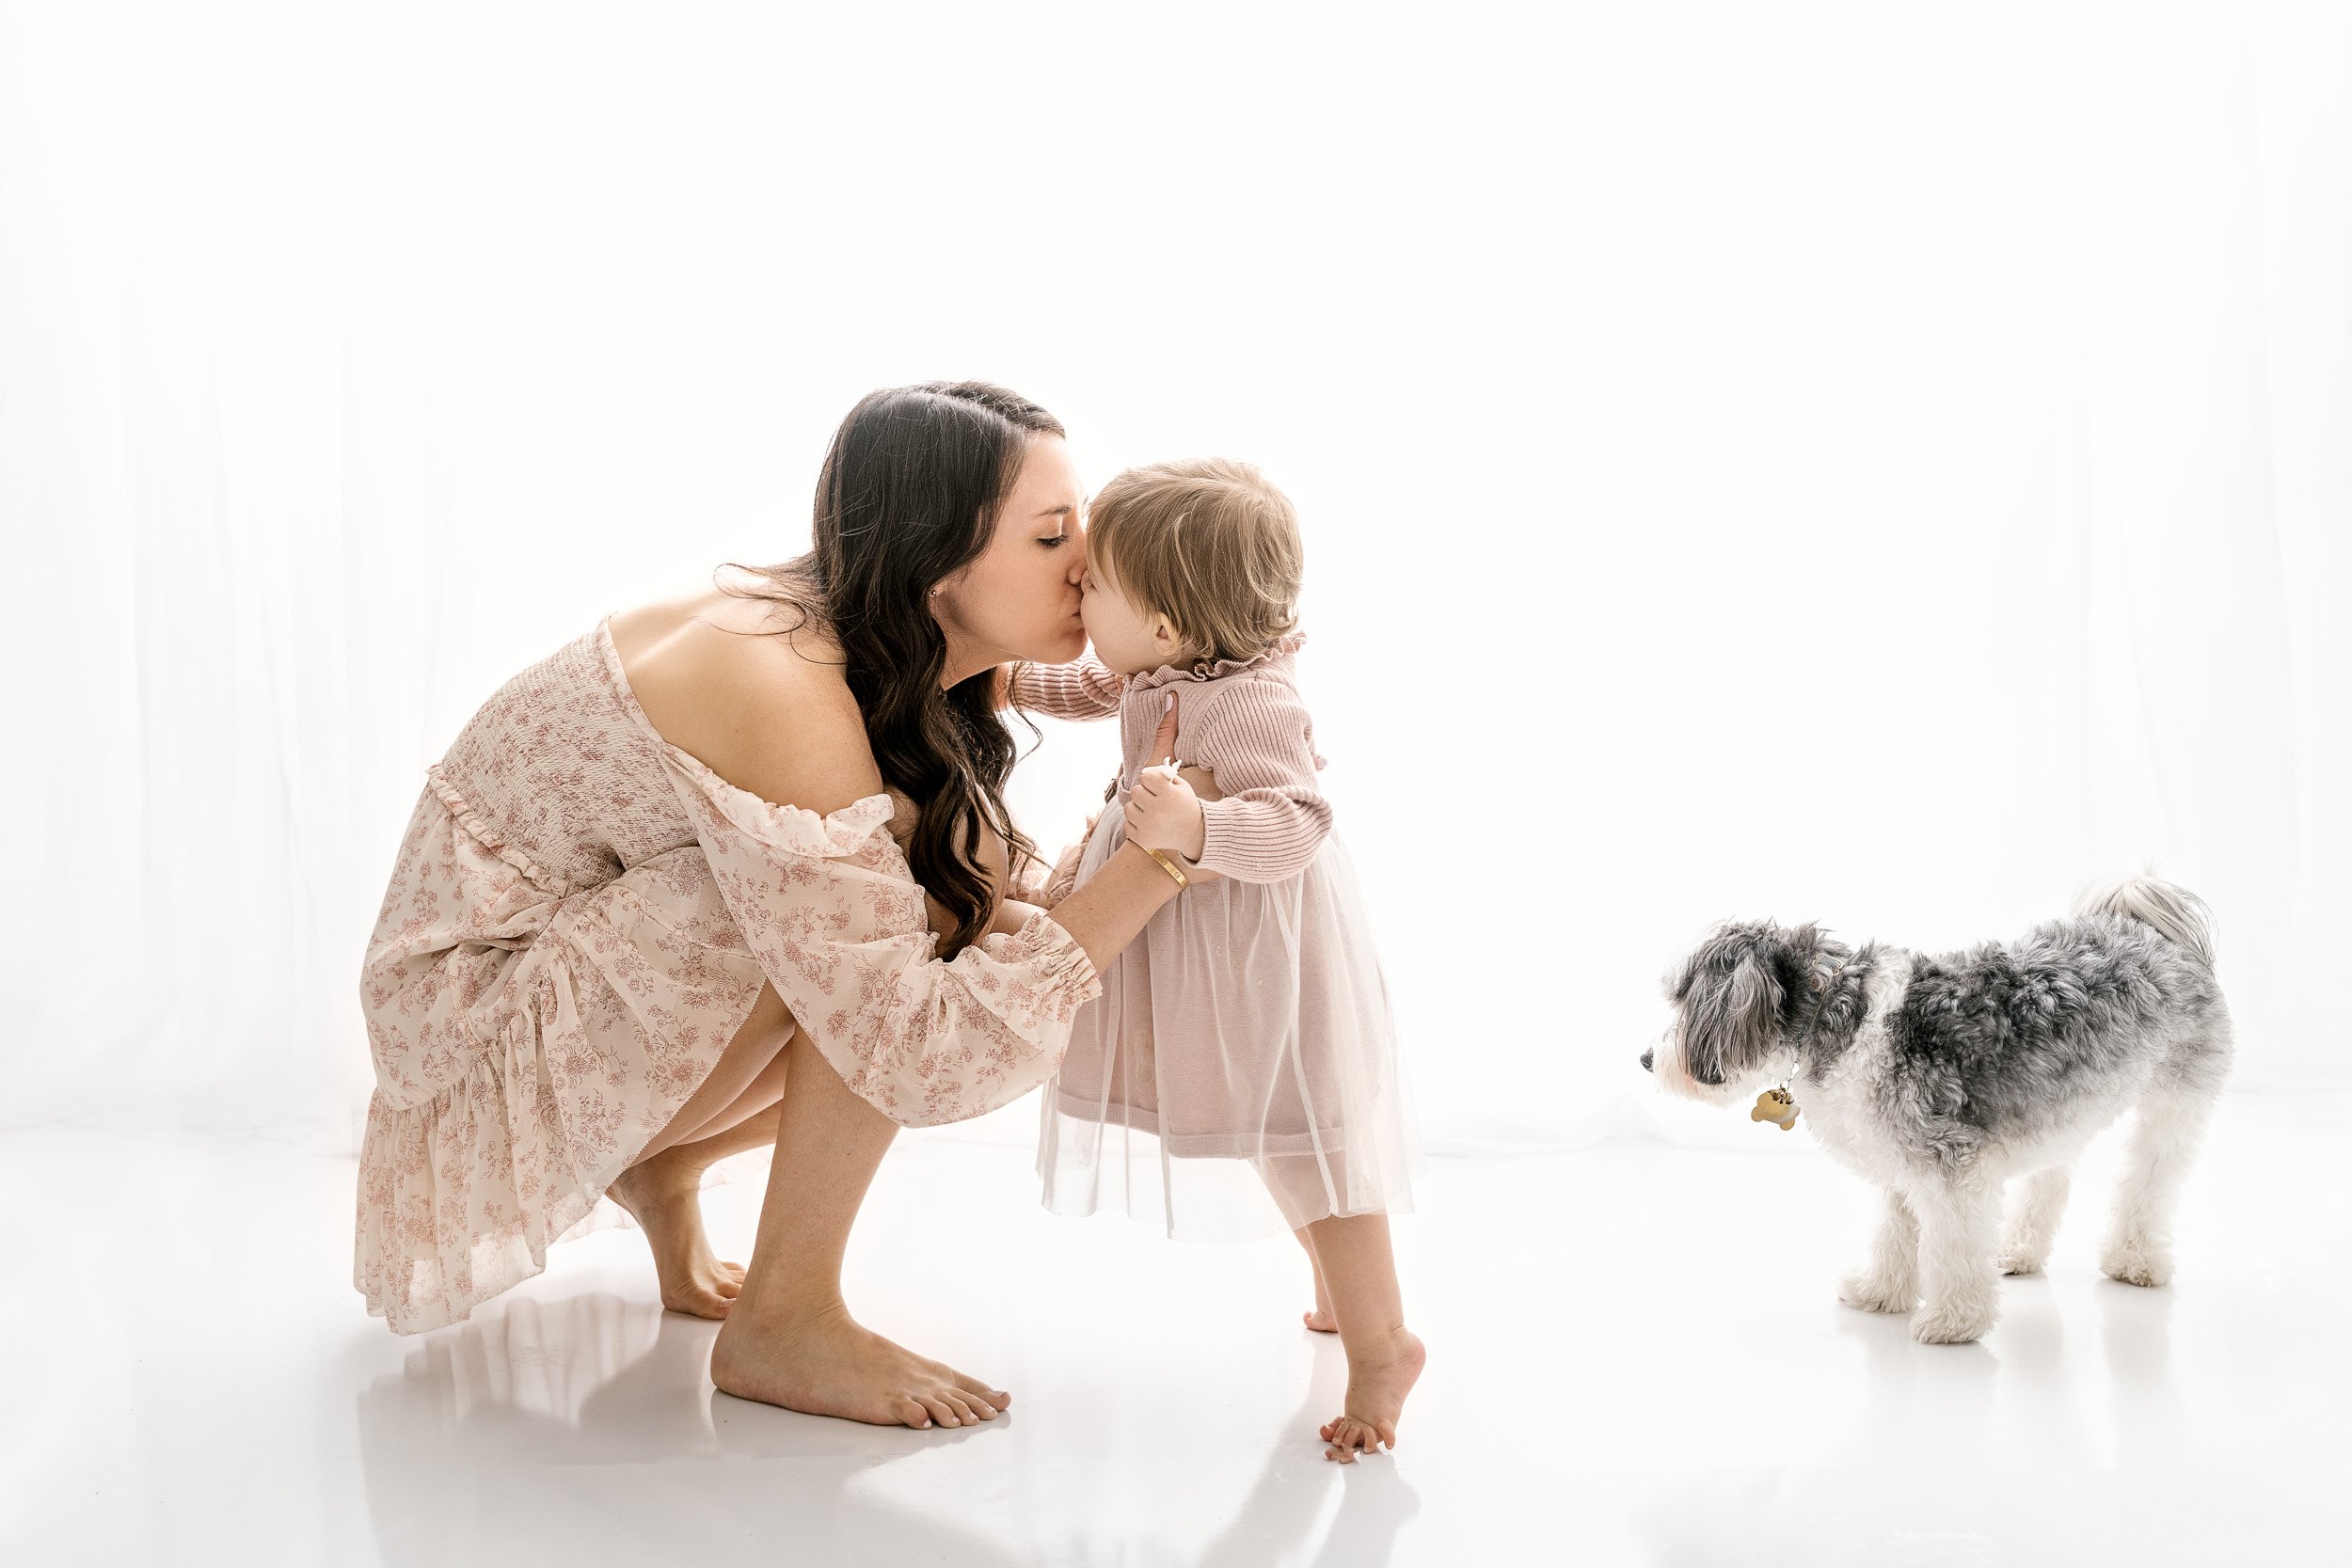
point(1163, 813)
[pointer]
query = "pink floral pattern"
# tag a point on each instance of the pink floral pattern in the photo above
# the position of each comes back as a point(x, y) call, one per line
point(580, 919)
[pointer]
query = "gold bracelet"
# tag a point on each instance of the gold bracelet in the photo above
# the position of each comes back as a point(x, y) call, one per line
point(1170, 867)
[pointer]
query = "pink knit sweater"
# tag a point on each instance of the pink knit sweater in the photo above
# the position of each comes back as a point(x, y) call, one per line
point(1240, 718)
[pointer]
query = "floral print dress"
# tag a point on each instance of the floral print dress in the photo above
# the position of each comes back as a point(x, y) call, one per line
point(580, 919)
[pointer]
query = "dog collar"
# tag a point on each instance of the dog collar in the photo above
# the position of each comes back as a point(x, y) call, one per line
point(1778, 1106)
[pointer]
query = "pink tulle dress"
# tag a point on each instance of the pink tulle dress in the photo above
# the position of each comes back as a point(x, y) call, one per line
point(581, 918)
point(1239, 1072)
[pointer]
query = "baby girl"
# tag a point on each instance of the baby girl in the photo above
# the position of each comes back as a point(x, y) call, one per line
point(1240, 1068)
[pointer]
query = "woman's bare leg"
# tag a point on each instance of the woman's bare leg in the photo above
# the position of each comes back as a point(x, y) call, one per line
point(1322, 1320)
point(790, 1339)
point(732, 1110)
point(1384, 1358)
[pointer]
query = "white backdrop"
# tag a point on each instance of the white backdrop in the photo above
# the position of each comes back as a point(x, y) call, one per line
point(1882, 465)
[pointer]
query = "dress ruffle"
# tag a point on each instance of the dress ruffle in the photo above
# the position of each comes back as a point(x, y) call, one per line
point(1167, 675)
point(791, 829)
point(528, 1048)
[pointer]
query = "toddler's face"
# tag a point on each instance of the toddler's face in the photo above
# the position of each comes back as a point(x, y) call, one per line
point(1127, 638)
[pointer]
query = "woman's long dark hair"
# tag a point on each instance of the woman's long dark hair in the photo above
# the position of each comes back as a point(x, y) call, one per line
point(909, 492)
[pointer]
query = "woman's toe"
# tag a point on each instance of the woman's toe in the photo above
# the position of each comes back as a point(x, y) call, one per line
point(977, 1392)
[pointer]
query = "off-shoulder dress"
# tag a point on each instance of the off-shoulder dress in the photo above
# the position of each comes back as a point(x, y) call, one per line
point(580, 919)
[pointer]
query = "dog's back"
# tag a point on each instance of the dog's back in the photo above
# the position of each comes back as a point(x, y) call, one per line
point(2094, 1006)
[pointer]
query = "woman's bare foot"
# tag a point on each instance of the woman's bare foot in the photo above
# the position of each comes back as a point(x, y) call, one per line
point(664, 1196)
point(1379, 1375)
point(831, 1365)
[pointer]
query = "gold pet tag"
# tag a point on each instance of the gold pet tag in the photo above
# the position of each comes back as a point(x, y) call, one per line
point(1774, 1106)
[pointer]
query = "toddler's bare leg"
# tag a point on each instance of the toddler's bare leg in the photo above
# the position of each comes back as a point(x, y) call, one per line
point(1321, 1319)
point(1384, 1358)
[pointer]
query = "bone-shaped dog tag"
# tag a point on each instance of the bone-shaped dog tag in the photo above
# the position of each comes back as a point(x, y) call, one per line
point(1775, 1105)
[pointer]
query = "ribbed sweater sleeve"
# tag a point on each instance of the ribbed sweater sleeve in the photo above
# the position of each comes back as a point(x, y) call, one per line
point(1087, 689)
point(1259, 740)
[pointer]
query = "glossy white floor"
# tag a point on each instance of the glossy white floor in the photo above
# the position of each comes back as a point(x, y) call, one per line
point(1635, 1356)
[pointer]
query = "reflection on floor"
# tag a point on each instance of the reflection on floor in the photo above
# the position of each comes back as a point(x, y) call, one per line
point(1635, 1357)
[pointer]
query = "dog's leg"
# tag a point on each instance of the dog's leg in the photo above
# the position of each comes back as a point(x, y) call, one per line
point(2033, 1220)
point(2171, 1120)
point(1956, 1225)
point(1889, 1282)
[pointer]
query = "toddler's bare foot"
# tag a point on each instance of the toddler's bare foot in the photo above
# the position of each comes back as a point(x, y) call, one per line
point(664, 1196)
point(1322, 1320)
point(1379, 1375)
point(831, 1365)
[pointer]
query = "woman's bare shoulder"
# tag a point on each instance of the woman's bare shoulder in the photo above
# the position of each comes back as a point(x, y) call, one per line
point(733, 683)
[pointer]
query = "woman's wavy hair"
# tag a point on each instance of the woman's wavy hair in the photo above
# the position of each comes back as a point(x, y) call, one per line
point(909, 495)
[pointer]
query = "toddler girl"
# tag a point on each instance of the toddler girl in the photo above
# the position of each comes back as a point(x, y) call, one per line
point(1239, 1068)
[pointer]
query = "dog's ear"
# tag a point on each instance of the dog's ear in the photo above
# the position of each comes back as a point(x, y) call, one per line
point(1755, 996)
point(1727, 1020)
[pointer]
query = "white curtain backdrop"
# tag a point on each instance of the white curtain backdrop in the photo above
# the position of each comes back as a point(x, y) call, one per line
point(1882, 465)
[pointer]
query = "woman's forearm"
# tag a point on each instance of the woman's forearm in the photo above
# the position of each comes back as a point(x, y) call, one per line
point(1117, 902)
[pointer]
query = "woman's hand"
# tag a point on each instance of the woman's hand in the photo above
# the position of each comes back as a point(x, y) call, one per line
point(1164, 813)
point(1164, 781)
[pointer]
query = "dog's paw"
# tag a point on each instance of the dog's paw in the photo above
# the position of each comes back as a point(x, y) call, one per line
point(1866, 1292)
point(1951, 1324)
point(2136, 1264)
point(2021, 1261)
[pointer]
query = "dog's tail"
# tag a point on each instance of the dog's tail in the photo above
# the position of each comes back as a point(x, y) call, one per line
point(2176, 914)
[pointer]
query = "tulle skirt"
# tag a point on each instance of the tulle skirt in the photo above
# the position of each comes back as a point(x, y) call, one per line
point(1239, 1074)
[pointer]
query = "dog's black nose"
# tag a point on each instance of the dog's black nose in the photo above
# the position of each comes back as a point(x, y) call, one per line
point(1646, 1056)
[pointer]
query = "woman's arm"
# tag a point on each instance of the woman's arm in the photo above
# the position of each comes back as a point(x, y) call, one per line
point(789, 808)
point(816, 757)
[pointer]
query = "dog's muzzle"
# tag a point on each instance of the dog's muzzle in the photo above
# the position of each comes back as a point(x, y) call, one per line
point(1645, 1059)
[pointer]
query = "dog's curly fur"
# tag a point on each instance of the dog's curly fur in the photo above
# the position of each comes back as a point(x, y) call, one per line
point(1941, 1077)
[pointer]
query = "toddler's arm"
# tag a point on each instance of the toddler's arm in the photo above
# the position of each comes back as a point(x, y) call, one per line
point(1258, 741)
point(1086, 690)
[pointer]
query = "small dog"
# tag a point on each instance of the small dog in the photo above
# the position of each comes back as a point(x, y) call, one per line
point(1939, 1078)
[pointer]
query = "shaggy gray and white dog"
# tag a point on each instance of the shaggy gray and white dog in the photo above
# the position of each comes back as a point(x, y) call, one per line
point(1941, 1077)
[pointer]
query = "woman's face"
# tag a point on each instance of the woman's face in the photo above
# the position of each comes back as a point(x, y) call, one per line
point(1021, 599)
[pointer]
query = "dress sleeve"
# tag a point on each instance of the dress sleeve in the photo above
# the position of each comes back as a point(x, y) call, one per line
point(1087, 689)
point(1259, 740)
point(838, 925)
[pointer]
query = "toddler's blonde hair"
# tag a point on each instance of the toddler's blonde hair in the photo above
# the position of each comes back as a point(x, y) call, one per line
point(1207, 543)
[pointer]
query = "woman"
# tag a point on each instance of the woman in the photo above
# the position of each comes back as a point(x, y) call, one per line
point(676, 891)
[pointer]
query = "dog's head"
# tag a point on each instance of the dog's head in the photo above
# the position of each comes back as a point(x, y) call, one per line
point(1736, 999)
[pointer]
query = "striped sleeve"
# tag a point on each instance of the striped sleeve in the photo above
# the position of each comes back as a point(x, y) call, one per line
point(1259, 740)
point(1087, 689)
